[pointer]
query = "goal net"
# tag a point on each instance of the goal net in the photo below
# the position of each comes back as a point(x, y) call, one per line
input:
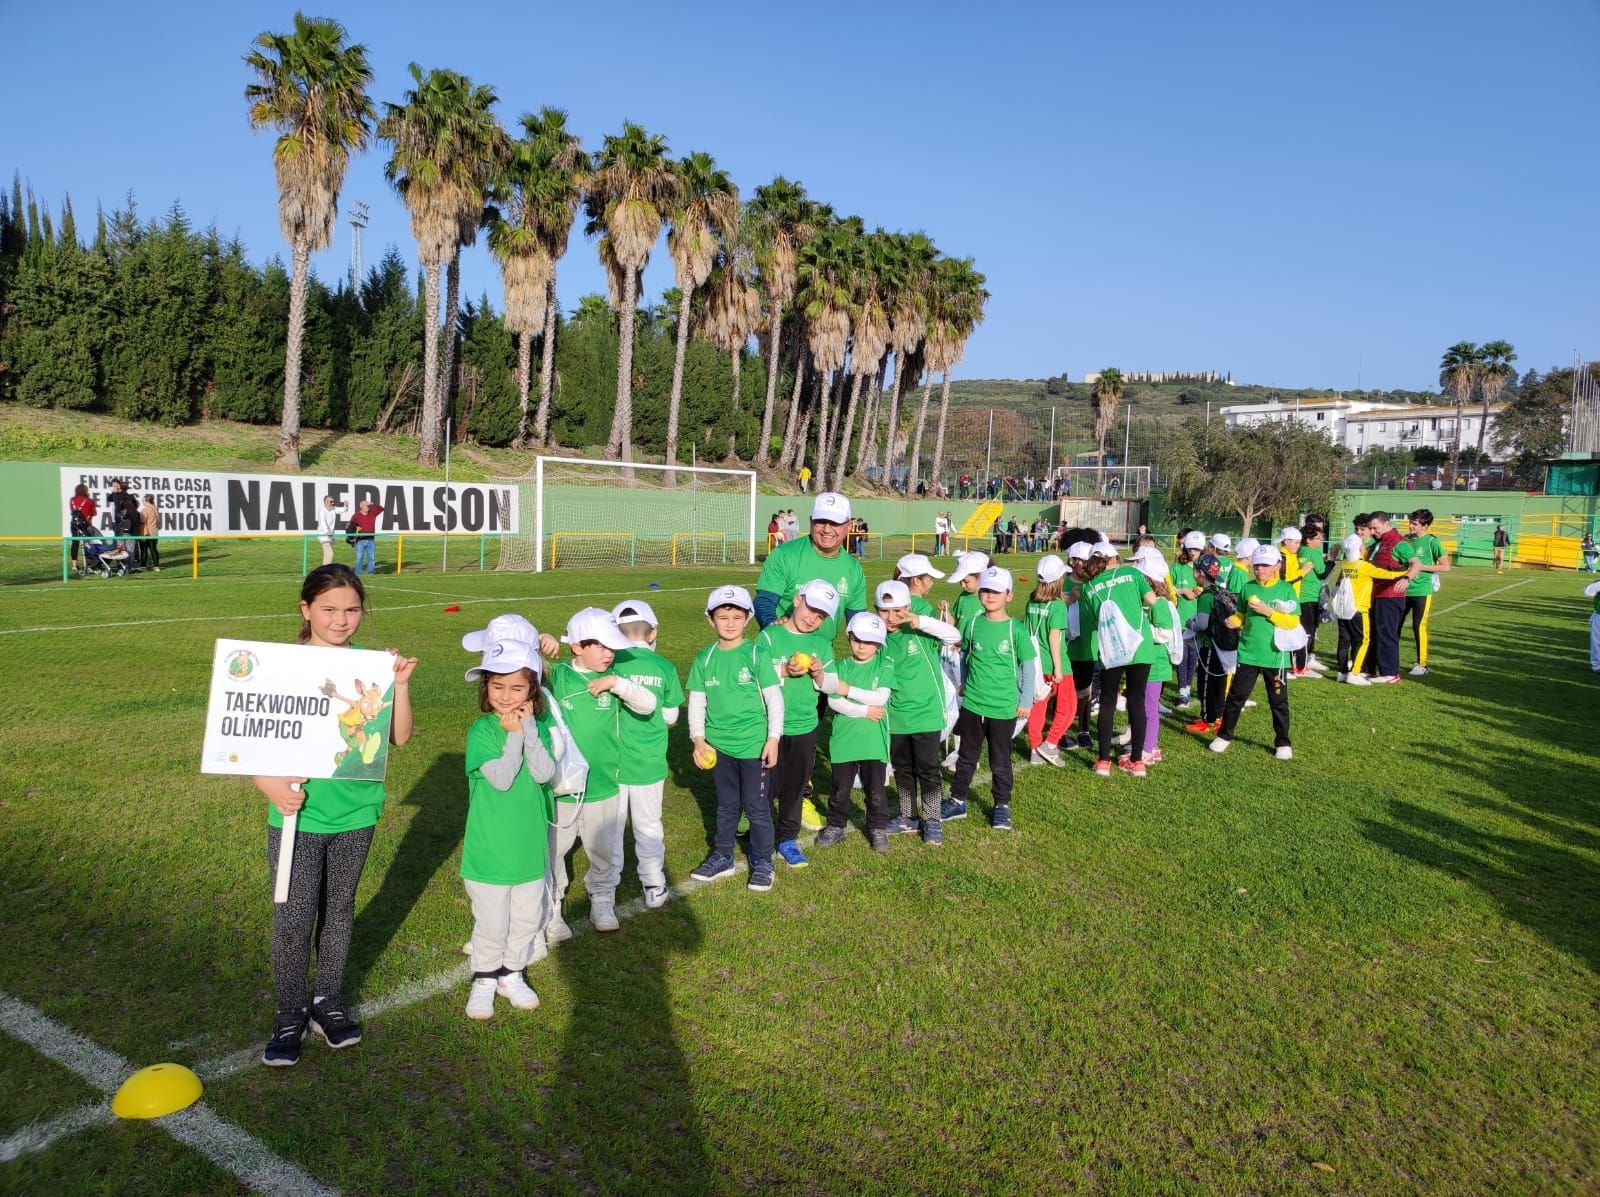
point(577, 513)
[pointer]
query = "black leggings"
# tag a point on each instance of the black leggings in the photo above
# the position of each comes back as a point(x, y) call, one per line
point(1244, 681)
point(321, 907)
point(874, 776)
point(1213, 684)
point(1110, 682)
point(916, 771)
point(796, 757)
point(1083, 681)
point(1310, 620)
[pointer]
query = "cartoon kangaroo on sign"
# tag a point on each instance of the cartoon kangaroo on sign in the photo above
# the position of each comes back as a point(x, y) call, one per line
point(358, 724)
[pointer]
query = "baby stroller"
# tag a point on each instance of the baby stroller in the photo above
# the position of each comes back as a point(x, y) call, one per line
point(104, 557)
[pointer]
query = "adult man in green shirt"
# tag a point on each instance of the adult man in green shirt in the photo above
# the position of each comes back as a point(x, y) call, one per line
point(1421, 589)
point(818, 555)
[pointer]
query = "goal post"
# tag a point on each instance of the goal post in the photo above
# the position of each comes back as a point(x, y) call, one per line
point(580, 512)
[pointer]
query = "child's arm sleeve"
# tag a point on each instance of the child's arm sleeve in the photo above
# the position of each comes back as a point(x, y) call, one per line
point(1282, 619)
point(773, 697)
point(540, 764)
point(934, 627)
point(669, 716)
point(502, 770)
point(829, 683)
point(697, 714)
point(866, 698)
point(1592, 589)
point(847, 707)
point(638, 699)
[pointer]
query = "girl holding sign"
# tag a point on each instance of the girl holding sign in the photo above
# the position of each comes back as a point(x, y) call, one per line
point(332, 825)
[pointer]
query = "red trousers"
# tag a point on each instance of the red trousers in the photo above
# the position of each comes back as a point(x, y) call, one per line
point(1065, 694)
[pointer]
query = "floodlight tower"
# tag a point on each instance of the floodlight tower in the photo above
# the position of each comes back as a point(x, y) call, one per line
point(358, 221)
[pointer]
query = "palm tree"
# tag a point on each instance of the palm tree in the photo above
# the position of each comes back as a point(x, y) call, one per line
point(1459, 369)
point(562, 171)
point(312, 88)
point(732, 308)
point(706, 209)
point(958, 288)
point(823, 297)
point(525, 268)
point(1106, 395)
point(446, 147)
point(908, 326)
point(784, 221)
point(631, 191)
point(1496, 372)
point(869, 334)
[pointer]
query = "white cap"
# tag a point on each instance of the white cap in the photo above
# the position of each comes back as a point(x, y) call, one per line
point(892, 594)
point(866, 627)
point(1290, 534)
point(916, 565)
point(1194, 540)
point(1353, 547)
point(1246, 546)
point(995, 578)
point(1154, 566)
point(501, 627)
point(1143, 551)
point(1266, 555)
point(831, 507)
point(820, 597)
point(969, 565)
point(729, 596)
point(635, 611)
point(1221, 541)
point(506, 656)
point(1079, 550)
point(595, 623)
point(1051, 568)
point(1103, 548)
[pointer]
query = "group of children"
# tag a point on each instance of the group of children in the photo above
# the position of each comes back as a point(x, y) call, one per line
point(573, 749)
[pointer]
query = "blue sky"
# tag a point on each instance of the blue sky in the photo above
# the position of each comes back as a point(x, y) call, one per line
point(1304, 195)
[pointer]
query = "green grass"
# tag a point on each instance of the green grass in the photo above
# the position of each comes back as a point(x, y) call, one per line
point(1372, 970)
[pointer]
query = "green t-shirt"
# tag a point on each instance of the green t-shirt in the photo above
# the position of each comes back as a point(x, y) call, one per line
point(335, 804)
point(860, 739)
point(1081, 646)
point(1125, 586)
point(799, 694)
point(965, 607)
point(732, 679)
point(921, 606)
point(1255, 638)
point(644, 737)
point(1429, 551)
point(1203, 606)
point(995, 651)
point(1313, 561)
point(507, 830)
point(596, 724)
point(795, 562)
point(1161, 666)
point(917, 704)
point(1042, 618)
point(1182, 575)
point(1237, 578)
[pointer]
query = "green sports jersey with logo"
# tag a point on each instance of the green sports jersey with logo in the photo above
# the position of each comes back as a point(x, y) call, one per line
point(995, 650)
point(1182, 575)
point(596, 724)
point(505, 841)
point(1042, 618)
point(1126, 587)
point(1428, 550)
point(1313, 561)
point(1081, 646)
point(1255, 638)
point(796, 562)
point(859, 738)
point(644, 737)
point(799, 694)
point(732, 680)
point(918, 701)
point(965, 607)
point(1161, 666)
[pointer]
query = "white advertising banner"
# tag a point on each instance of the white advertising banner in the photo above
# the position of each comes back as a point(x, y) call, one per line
point(297, 710)
point(194, 502)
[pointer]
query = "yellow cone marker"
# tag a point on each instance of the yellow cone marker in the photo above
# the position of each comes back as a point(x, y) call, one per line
point(156, 1091)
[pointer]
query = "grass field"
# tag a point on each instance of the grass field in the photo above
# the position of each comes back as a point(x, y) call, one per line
point(1371, 970)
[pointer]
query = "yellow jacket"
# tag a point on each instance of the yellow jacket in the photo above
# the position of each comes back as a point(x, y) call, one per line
point(1362, 574)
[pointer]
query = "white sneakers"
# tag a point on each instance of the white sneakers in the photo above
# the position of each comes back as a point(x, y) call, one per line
point(603, 914)
point(1285, 753)
point(1419, 670)
point(556, 930)
point(655, 896)
point(1354, 679)
point(1220, 745)
point(480, 999)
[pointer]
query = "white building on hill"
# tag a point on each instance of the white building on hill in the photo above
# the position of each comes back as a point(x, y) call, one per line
point(1359, 425)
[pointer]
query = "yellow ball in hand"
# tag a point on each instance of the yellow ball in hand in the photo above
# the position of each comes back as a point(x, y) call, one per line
point(801, 660)
point(706, 759)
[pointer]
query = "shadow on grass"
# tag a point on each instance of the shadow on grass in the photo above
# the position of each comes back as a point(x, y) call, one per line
point(313, 453)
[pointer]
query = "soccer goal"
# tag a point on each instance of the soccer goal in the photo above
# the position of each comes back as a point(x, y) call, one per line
point(581, 513)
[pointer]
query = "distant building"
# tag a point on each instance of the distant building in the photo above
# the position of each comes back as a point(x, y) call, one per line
point(1166, 376)
point(1360, 426)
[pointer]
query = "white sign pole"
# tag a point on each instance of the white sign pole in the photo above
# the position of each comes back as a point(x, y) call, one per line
point(280, 888)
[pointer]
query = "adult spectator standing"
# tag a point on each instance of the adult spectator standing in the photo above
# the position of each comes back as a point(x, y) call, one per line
point(941, 534)
point(805, 479)
point(149, 529)
point(329, 520)
point(774, 531)
point(83, 506)
point(1390, 551)
point(366, 522)
point(817, 555)
point(125, 522)
point(1502, 542)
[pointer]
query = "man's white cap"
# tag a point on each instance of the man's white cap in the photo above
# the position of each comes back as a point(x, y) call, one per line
point(1194, 540)
point(1153, 565)
point(969, 565)
point(635, 611)
point(1266, 555)
point(892, 594)
point(729, 596)
point(1079, 550)
point(820, 597)
point(507, 656)
point(1353, 547)
point(1221, 541)
point(1246, 547)
point(1290, 534)
point(866, 627)
point(596, 623)
point(1051, 568)
point(501, 627)
point(831, 507)
point(1103, 548)
point(916, 565)
point(995, 578)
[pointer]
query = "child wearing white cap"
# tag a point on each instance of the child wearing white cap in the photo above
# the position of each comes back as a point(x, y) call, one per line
point(916, 708)
point(1046, 617)
point(859, 688)
point(1166, 629)
point(1187, 591)
point(1080, 647)
point(965, 575)
point(1002, 683)
point(1266, 602)
point(735, 722)
point(504, 851)
point(918, 573)
point(800, 652)
point(591, 697)
point(1126, 589)
point(642, 774)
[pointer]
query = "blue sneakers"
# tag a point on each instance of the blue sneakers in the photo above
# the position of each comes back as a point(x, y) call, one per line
point(932, 832)
point(951, 809)
point(901, 825)
point(878, 838)
point(829, 836)
point(760, 876)
point(792, 856)
point(716, 865)
point(1001, 819)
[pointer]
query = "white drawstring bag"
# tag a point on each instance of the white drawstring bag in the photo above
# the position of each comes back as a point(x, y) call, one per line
point(1116, 638)
point(1343, 603)
point(572, 769)
point(1170, 638)
point(1289, 640)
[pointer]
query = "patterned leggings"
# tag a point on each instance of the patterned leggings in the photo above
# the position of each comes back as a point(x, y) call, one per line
point(321, 907)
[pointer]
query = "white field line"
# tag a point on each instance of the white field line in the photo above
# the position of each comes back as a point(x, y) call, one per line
point(1478, 598)
point(40, 1135)
point(219, 1140)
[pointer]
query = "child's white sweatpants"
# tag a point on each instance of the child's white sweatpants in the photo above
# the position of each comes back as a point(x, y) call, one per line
point(505, 919)
point(599, 826)
point(1594, 641)
point(643, 806)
